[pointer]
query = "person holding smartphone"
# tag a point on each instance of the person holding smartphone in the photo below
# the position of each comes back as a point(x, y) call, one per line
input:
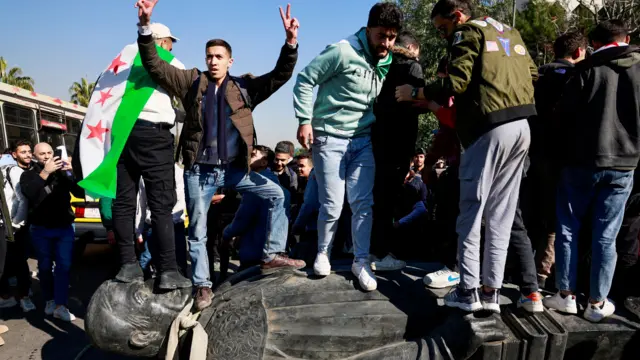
point(47, 188)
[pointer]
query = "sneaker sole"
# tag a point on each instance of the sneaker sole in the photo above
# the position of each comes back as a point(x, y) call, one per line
point(566, 310)
point(322, 272)
point(495, 308)
point(532, 308)
point(438, 285)
point(466, 307)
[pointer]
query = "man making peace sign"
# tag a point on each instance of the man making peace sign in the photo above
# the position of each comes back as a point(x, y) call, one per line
point(218, 136)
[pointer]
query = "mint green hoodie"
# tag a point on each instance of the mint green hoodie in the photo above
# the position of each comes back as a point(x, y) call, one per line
point(349, 79)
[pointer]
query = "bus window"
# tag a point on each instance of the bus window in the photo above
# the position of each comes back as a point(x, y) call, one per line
point(20, 124)
point(51, 129)
point(73, 129)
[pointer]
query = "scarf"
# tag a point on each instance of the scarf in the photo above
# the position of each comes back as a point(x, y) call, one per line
point(217, 101)
point(382, 65)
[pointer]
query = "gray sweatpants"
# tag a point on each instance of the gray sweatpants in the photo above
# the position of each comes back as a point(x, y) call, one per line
point(490, 173)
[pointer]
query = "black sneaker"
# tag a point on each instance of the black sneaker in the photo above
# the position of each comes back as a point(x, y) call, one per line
point(491, 301)
point(633, 304)
point(466, 300)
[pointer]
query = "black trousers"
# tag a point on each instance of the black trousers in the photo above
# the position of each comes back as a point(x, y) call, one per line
point(521, 254)
point(147, 154)
point(392, 166)
point(16, 264)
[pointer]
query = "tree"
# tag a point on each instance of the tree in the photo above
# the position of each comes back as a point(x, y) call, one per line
point(539, 24)
point(591, 12)
point(14, 76)
point(81, 92)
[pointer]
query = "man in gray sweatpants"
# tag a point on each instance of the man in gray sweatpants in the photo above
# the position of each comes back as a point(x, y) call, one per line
point(490, 76)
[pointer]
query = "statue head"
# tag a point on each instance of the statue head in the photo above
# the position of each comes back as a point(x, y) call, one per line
point(131, 319)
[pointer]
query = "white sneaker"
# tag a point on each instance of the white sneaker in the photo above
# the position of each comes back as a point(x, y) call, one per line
point(442, 278)
point(8, 303)
point(50, 307)
point(362, 270)
point(595, 313)
point(567, 305)
point(63, 314)
point(389, 263)
point(322, 266)
point(27, 305)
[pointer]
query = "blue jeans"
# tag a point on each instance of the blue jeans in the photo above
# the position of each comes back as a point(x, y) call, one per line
point(607, 192)
point(344, 165)
point(181, 248)
point(53, 245)
point(201, 183)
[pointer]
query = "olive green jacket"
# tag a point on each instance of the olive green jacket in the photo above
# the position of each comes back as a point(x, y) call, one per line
point(491, 77)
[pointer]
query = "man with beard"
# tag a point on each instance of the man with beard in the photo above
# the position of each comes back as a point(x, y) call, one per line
point(16, 262)
point(349, 76)
point(486, 59)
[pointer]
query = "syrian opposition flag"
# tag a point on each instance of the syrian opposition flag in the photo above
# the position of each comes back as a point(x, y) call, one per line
point(121, 92)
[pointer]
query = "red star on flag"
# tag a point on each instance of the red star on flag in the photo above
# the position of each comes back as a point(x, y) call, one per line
point(104, 96)
point(97, 131)
point(115, 64)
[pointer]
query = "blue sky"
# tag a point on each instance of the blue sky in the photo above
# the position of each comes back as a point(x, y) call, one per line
point(58, 42)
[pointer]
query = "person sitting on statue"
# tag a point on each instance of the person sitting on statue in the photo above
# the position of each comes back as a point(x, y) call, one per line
point(250, 221)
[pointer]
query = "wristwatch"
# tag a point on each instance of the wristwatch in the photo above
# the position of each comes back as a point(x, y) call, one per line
point(414, 93)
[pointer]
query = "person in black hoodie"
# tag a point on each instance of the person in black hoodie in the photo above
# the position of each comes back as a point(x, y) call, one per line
point(393, 136)
point(47, 186)
point(541, 181)
point(600, 128)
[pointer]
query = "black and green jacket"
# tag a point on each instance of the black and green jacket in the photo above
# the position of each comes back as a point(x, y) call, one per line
point(491, 75)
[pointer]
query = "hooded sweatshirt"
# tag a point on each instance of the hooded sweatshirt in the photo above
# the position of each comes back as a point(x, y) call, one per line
point(599, 112)
point(349, 78)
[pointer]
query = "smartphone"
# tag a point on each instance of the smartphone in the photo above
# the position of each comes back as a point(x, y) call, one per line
point(57, 153)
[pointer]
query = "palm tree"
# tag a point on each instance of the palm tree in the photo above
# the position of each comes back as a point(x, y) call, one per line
point(14, 76)
point(81, 92)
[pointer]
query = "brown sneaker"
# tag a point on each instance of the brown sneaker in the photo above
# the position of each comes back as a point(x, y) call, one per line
point(281, 261)
point(204, 296)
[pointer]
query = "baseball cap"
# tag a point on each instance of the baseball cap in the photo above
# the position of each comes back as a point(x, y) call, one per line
point(160, 31)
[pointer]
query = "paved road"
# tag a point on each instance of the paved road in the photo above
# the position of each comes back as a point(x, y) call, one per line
point(33, 336)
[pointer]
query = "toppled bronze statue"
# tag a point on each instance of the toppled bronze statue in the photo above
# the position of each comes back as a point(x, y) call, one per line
point(289, 314)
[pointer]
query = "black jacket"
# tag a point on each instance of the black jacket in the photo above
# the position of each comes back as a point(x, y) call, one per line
point(599, 111)
point(49, 200)
point(396, 126)
point(548, 90)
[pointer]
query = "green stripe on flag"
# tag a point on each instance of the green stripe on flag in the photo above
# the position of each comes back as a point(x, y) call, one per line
point(103, 180)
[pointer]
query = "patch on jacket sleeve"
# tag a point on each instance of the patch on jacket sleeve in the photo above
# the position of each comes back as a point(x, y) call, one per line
point(457, 38)
point(491, 46)
point(519, 49)
point(560, 71)
point(495, 24)
point(479, 23)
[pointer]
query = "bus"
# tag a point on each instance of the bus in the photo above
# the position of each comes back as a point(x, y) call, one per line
point(38, 118)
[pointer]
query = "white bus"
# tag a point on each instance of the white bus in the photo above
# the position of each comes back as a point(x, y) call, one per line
point(27, 115)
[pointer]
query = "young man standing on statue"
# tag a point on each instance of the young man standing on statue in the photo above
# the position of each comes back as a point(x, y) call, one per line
point(490, 74)
point(349, 76)
point(218, 137)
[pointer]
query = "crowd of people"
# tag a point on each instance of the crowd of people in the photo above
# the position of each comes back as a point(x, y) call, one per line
point(526, 163)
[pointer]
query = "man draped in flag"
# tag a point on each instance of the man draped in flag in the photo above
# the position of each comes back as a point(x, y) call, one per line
point(126, 135)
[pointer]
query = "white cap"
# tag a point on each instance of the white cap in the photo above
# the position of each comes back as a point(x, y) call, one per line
point(160, 31)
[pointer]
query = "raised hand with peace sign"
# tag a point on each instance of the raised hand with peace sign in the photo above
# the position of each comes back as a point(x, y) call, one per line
point(291, 25)
point(145, 9)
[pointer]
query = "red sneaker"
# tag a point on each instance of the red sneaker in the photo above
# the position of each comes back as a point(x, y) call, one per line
point(281, 261)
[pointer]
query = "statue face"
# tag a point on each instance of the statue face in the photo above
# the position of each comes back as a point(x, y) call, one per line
point(130, 319)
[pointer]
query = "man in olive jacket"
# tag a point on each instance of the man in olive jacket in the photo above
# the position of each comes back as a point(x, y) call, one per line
point(491, 76)
point(218, 136)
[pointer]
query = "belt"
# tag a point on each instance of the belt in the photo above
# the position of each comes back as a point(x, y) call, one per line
point(149, 124)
